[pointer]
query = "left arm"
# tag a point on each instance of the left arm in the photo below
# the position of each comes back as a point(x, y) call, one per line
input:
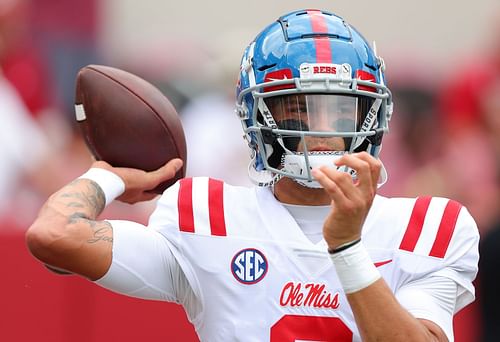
point(380, 317)
point(378, 314)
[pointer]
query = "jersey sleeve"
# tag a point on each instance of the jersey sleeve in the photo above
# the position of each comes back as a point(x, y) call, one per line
point(462, 258)
point(143, 266)
point(438, 270)
point(165, 220)
point(445, 243)
point(432, 299)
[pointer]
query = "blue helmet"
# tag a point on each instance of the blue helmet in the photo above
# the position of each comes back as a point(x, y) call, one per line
point(310, 89)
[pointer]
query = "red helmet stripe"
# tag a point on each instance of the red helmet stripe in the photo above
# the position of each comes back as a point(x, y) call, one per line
point(216, 207)
point(323, 48)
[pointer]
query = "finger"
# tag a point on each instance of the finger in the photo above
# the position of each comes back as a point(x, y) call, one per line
point(165, 172)
point(172, 166)
point(343, 180)
point(329, 185)
point(362, 168)
point(375, 166)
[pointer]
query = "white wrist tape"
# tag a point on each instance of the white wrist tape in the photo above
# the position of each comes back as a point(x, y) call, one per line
point(110, 183)
point(355, 268)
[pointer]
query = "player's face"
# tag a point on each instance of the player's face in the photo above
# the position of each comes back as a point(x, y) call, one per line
point(315, 112)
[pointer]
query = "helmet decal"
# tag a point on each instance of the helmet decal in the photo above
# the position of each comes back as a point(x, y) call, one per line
point(278, 75)
point(365, 76)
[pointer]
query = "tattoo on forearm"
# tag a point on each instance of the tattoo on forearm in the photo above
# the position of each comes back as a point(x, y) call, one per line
point(101, 230)
point(91, 198)
point(75, 205)
point(101, 233)
point(83, 205)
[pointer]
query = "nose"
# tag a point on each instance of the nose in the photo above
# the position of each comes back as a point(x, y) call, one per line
point(320, 122)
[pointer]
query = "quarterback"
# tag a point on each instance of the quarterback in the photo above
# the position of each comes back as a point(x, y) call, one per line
point(311, 253)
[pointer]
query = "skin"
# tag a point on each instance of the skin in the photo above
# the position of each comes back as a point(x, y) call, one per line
point(67, 235)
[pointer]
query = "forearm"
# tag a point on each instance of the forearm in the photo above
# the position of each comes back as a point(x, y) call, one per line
point(378, 314)
point(81, 198)
point(66, 234)
point(380, 317)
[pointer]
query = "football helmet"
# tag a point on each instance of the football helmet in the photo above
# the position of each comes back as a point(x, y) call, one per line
point(310, 89)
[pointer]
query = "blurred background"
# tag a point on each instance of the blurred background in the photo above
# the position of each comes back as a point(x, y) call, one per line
point(443, 67)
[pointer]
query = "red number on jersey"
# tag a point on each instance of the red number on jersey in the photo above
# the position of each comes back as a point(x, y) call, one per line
point(310, 328)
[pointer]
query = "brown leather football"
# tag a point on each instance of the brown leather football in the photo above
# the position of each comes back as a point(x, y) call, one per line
point(128, 122)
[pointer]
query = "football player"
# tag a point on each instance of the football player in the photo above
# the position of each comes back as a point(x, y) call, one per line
point(310, 253)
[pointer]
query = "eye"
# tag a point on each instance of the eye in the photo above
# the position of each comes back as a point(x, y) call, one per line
point(294, 125)
point(297, 109)
point(345, 109)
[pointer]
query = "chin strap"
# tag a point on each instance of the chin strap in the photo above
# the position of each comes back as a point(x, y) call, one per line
point(266, 178)
point(295, 164)
point(262, 178)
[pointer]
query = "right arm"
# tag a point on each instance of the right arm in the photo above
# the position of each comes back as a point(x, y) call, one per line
point(67, 235)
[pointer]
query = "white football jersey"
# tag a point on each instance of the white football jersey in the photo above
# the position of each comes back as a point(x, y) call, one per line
point(259, 278)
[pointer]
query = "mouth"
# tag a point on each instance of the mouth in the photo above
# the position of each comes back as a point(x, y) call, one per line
point(320, 148)
point(320, 144)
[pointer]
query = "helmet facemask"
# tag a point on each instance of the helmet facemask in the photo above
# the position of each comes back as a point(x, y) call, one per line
point(294, 131)
point(311, 130)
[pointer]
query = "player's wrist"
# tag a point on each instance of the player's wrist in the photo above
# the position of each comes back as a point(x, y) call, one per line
point(343, 246)
point(334, 243)
point(354, 267)
point(110, 183)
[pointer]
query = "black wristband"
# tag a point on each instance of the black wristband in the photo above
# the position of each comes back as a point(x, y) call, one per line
point(344, 246)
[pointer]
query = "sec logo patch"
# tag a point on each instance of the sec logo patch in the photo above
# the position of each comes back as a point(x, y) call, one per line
point(249, 266)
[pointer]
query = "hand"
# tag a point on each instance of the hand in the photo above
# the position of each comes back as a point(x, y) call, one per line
point(351, 200)
point(139, 183)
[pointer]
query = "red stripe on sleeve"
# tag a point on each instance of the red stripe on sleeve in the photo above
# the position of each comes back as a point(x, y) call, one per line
point(185, 205)
point(414, 228)
point(216, 207)
point(446, 229)
point(323, 48)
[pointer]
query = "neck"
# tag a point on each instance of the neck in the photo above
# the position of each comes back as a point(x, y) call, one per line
point(290, 192)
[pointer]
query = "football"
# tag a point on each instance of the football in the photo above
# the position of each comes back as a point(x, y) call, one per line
point(128, 122)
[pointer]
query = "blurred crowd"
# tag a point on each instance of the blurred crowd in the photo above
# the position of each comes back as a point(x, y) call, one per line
point(444, 139)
